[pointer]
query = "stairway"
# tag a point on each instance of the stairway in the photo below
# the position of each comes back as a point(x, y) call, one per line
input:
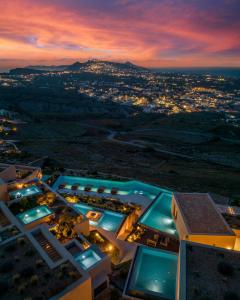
point(47, 246)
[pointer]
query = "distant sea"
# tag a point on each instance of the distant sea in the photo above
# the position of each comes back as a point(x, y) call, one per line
point(227, 72)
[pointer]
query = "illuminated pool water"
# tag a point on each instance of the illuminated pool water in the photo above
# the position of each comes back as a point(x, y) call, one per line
point(87, 258)
point(158, 216)
point(109, 220)
point(153, 274)
point(125, 188)
point(34, 214)
point(28, 191)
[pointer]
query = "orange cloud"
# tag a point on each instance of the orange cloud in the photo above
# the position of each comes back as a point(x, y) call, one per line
point(152, 33)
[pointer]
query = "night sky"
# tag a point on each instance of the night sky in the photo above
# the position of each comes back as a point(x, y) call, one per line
point(153, 33)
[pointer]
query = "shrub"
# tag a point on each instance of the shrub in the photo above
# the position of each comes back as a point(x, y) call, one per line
point(73, 274)
point(60, 275)
point(6, 266)
point(64, 267)
point(21, 289)
point(16, 278)
point(34, 280)
point(21, 241)
point(231, 296)
point(225, 269)
point(39, 263)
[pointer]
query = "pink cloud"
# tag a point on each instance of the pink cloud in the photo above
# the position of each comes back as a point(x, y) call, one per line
point(152, 33)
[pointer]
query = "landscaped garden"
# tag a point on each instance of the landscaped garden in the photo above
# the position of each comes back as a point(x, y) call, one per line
point(65, 223)
point(26, 203)
point(25, 275)
point(104, 203)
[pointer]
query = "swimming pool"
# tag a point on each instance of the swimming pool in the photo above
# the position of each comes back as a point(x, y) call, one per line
point(109, 220)
point(153, 274)
point(28, 191)
point(87, 258)
point(159, 216)
point(132, 187)
point(34, 214)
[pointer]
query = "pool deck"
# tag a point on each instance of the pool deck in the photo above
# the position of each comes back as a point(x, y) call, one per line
point(173, 244)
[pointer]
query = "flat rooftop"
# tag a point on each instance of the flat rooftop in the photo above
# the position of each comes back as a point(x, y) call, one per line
point(201, 215)
point(211, 273)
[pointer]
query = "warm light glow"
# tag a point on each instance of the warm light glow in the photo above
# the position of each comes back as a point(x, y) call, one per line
point(110, 247)
point(169, 33)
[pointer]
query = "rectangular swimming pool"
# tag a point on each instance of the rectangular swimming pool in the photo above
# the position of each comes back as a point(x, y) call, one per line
point(132, 187)
point(87, 258)
point(109, 220)
point(25, 192)
point(159, 216)
point(153, 274)
point(34, 214)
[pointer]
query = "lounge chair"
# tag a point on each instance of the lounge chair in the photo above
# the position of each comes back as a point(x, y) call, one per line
point(75, 187)
point(88, 188)
point(151, 243)
point(114, 191)
point(101, 189)
point(61, 186)
point(164, 241)
point(156, 237)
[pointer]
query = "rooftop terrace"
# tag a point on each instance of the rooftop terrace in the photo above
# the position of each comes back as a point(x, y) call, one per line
point(201, 215)
point(211, 273)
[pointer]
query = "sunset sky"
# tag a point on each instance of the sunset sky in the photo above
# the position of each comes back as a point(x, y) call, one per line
point(152, 33)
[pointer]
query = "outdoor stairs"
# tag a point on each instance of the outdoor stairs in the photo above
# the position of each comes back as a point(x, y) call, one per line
point(47, 246)
point(3, 220)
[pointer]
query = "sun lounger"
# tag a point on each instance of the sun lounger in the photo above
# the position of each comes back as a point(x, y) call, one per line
point(88, 188)
point(151, 243)
point(75, 187)
point(164, 241)
point(101, 189)
point(114, 191)
point(61, 186)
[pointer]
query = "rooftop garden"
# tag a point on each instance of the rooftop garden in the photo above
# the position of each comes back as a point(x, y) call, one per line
point(8, 233)
point(212, 273)
point(25, 275)
point(64, 229)
point(104, 203)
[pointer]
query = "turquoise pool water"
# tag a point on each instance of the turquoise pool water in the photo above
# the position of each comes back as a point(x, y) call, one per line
point(125, 188)
point(159, 216)
point(34, 214)
point(109, 220)
point(87, 258)
point(153, 274)
point(29, 191)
